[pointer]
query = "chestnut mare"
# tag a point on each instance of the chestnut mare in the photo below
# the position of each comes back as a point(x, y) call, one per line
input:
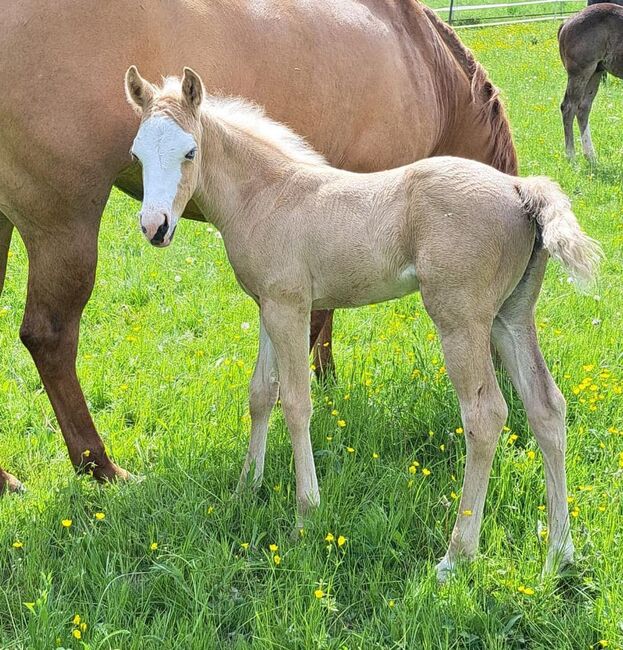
point(302, 235)
point(373, 84)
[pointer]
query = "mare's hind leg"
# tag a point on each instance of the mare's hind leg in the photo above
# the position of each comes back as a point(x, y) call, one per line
point(514, 336)
point(62, 260)
point(576, 83)
point(7, 481)
point(583, 112)
point(320, 343)
point(467, 352)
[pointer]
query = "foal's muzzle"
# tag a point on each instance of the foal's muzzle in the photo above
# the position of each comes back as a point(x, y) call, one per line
point(157, 228)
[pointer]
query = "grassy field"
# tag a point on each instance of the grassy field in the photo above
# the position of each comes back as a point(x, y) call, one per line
point(167, 347)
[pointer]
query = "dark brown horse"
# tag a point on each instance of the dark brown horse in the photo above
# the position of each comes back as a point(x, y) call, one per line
point(591, 44)
point(372, 84)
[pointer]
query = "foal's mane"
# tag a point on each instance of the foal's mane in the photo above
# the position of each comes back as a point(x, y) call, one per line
point(484, 93)
point(244, 116)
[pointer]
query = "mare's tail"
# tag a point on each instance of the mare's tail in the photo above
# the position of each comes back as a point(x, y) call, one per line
point(549, 206)
point(6, 230)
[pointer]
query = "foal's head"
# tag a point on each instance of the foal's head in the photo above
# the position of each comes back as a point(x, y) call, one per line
point(168, 147)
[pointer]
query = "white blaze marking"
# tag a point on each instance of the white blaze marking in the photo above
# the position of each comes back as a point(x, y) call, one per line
point(161, 145)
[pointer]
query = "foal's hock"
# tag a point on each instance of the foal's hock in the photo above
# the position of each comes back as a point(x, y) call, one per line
point(301, 235)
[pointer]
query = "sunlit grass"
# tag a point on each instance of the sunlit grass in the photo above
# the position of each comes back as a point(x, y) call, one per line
point(168, 343)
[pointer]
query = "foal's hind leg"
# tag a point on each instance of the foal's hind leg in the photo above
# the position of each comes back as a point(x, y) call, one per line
point(514, 336)
point(576, 83)
point(8, 482)
point(466, 347)
point(584, 111)
point(62, 260)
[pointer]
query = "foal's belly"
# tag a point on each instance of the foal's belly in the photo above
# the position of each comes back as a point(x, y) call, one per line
point(354, 293)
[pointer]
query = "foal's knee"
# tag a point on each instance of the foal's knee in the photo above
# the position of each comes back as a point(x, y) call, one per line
point(263, 394)
point(297, 410)
point(44, 336)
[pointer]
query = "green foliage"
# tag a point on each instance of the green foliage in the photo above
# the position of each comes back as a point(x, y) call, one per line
point(165, 359)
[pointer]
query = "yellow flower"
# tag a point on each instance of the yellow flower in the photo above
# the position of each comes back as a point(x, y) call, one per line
point(468, 513)
point(319, 593)
point(426, 471)
point(153, 546)
point(334, 412)
point(528, 591)
point(350, 450)
point(99, 516)
point(454, 495)
point(341, 423)
point(86, 453)
point(603, 643)
point(83, 627)
point(412, 468)
point(18, 544)
point(277, 559)
point(76, 619)
point(77, 634)
point(575, 512)
point(329, 538)
point(531, 454)
point(375, 455)
point(512, 438)
point(244, 545)
point(459, 430)
point(273, 548)
point(67, 523)
point(541, 508)
point(391, 603)
point(341, 540)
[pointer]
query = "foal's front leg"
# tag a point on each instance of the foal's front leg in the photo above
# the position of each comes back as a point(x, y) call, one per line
point(287, 326)
point(263, 393)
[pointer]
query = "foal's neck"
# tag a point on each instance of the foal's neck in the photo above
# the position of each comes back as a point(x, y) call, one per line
point(239, 173)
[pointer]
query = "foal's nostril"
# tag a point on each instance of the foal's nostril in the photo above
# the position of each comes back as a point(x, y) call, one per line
point(158, 238)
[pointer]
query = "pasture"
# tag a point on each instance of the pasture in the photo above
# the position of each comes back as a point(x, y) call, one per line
point(167, 347)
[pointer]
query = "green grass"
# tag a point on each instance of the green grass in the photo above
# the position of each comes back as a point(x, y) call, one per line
point(165, 362)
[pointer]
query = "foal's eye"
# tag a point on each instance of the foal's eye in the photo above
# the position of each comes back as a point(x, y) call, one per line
point(191, 154)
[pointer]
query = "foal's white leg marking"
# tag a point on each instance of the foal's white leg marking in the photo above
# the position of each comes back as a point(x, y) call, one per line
point(263, 393)
point(484, 412)
point(587, 143)
point(288, 329)
point(545, 406)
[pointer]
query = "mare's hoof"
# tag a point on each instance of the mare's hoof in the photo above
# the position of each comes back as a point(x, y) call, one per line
point(8, 483)
point(111, 473)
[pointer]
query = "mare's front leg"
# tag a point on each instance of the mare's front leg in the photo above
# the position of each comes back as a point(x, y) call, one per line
point(287, 325)
point(62, 261)
point(263, 393)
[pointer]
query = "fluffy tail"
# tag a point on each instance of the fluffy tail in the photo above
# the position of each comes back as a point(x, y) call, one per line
point(549, 206)
point(6, 229)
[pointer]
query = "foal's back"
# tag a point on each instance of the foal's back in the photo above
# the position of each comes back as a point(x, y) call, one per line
point(593, 38)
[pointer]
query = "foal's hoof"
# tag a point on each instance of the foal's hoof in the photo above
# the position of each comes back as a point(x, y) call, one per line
point(445, 568)
point(8, 483)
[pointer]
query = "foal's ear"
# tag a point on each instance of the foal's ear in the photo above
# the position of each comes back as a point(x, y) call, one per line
point(137, 90)
point(192, 88)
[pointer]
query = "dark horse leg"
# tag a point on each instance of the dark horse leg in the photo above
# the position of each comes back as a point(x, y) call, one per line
point(320, 343)
point(62, 260)
point(576, 84)
point(7, 481)
point(584, 111)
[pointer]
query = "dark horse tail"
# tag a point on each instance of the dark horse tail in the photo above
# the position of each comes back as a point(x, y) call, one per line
point(484, 95)
point(6, 230)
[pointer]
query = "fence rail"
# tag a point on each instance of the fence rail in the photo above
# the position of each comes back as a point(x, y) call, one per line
point(561, 8)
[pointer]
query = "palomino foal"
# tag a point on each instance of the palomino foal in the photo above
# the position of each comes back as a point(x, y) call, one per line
point(301, 235)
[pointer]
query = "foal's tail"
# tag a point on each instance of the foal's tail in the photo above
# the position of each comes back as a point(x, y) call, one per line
point(561, 235)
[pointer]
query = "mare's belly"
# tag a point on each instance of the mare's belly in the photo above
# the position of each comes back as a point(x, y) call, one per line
point(353, 293)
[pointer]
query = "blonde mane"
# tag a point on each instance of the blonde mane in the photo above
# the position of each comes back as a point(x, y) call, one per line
point(250, 118)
